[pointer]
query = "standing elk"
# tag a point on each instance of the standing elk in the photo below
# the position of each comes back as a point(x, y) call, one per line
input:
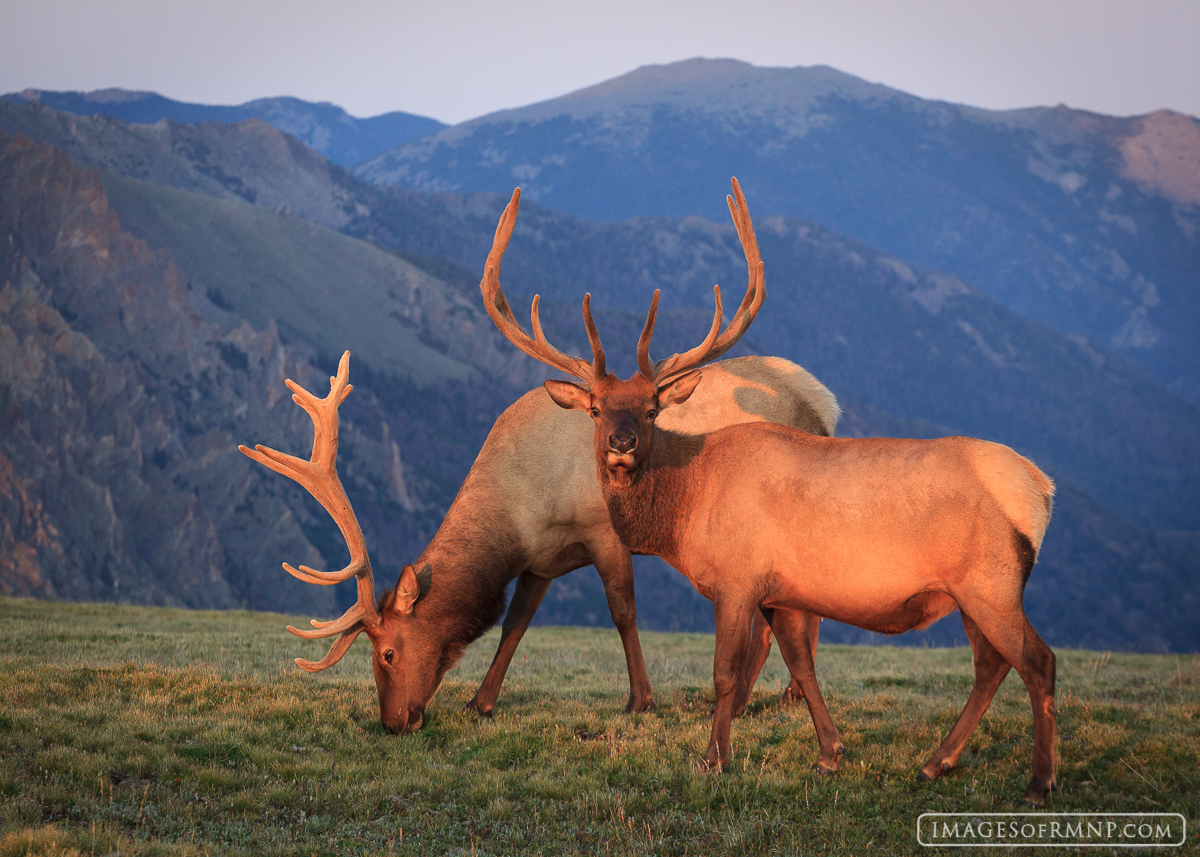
point(886, 534)
point(530, 509)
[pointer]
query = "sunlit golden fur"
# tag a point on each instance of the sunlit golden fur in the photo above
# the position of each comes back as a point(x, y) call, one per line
point(850, 529)
point(886, 534)
point(764, 389)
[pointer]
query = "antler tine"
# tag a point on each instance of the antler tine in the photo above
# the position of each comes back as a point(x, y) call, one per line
point(677, 364)
point(348, 621)
point(501, 314)
point(319, 477)
point(598, 368)
point(745, 229)
point(756, 289)
point(504, 231)
point(645, 366)
point(339, 648)
point(714, 346)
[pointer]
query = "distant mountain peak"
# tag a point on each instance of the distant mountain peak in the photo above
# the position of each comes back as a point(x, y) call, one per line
point(681, 72)
point(711, 85)
point(707, 72)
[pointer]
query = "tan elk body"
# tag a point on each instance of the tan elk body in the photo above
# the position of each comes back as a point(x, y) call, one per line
point(886, 534)
point(531, 509)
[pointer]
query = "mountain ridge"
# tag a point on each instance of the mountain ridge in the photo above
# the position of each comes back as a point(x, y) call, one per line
point(1087, 223)
point(323, 126)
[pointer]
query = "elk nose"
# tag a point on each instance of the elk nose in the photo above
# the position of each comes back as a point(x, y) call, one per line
point(622, 443)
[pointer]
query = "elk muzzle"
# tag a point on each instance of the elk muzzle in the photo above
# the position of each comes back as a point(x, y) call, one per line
point(622, 443)
point(621, 446)
point(406, 723)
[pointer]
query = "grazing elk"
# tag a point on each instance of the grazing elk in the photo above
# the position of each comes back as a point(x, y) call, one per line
point(886, 534)
point(529, 509)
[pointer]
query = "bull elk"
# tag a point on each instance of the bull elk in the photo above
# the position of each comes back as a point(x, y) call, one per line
point(886, 534)
point(530, 509)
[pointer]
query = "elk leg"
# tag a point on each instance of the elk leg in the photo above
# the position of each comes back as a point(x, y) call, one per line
point(528, 595)
point(1042, 677)
point(733, 617)
point(794, 630)
point(615, 567)
point(756, 658)
point(990, 671)
point(793, 693)
point(1019, 644)
point(1037, 670)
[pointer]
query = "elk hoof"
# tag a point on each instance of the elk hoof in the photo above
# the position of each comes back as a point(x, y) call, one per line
point(708, 766)
point(927, 775)
point(636, 706)
point(824, 769)
point(1035, 795)
point(480, 710)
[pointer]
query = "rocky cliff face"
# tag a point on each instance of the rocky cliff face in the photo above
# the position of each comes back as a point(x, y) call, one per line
point(121, 409)
point(118, 408)
point(58, 386)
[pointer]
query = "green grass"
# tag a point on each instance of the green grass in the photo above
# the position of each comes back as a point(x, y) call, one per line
point(156, 731)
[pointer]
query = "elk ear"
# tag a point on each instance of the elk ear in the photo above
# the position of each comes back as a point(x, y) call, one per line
point(408, 589)
point(679, 390)
point(570, 396)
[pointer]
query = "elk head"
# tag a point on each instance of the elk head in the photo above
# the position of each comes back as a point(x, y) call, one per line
point(624, 411)
point(403, 691)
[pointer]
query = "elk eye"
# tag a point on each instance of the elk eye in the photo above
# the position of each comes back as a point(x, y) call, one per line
point(651, 414)
point(388, 655)
point(595, 412)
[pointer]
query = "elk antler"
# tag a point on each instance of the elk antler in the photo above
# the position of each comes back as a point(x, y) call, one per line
point(497, 307)
point(713, 345)
point(319, 476)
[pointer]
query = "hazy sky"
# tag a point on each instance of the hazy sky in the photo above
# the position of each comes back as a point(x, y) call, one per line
point(455, 59)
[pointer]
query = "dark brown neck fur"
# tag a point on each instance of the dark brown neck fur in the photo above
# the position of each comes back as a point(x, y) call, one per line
point(473, 559)
point(649, 505)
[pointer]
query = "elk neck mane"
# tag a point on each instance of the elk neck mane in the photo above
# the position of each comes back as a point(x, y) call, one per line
point(471, 562)
point(656, 492)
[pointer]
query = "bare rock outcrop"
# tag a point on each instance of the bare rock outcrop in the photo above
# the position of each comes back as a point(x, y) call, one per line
point(118, 406)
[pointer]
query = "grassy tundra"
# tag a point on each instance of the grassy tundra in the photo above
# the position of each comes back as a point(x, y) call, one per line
point(156, 731)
